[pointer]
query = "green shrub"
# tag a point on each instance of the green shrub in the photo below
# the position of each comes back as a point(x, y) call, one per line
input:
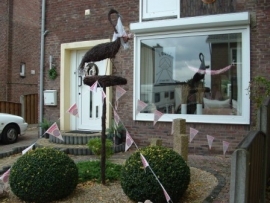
point(90, 170)
point(95, 146)
point(43, 175)
point(170, 168)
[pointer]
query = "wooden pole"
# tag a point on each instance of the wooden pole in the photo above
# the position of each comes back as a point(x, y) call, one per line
point(103, 141)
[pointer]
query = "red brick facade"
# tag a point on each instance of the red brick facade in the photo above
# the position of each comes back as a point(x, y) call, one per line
point(19, 43)
point(66, 22)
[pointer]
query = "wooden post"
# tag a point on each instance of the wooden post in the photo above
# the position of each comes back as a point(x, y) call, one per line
point(103, 141)
point(104, 81)
point(180, 138)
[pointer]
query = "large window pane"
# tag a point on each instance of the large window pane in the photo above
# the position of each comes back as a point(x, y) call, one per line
point(192, 70)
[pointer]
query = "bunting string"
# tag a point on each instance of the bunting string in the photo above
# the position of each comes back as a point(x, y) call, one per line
point(73, 110)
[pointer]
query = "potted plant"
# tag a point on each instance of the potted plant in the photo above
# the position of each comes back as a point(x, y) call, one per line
point(45, 125)
point(116, 133)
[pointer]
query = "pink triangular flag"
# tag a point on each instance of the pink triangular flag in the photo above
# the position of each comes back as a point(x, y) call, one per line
point(140, 106)
point(192, 133)
point(5, 176)
point(157, 115)
point(210, 140)
point(54, 131)
point(116, 117)
point(103, 95)
point(166, 194)
point(73, 110)
point(129, 141)
point(225, 146)
point(144, 161)
point(119, 92)
point(93, 88)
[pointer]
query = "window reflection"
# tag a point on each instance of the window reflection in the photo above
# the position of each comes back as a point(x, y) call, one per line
point(192, 70)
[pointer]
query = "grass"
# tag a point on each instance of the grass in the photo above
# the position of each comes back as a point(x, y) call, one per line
point(90, 171)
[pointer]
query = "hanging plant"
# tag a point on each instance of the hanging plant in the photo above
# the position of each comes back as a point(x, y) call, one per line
point(52, 73)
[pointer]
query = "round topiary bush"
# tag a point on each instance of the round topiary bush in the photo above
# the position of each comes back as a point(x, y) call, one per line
point(43, 175)
point(170, 168)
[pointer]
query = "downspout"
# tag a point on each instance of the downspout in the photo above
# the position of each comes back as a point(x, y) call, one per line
point(41, 68)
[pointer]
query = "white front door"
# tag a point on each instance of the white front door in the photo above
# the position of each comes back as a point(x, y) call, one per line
point(89, 103)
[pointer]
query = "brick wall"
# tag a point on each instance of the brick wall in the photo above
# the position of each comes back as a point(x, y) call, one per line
point(21, 44)
point(3, 47)
point(66, 22)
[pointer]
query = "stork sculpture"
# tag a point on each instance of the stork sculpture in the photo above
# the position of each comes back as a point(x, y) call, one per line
point(200, 73)
point(105, 50)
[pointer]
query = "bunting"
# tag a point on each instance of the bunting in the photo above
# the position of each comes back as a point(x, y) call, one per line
point(210, 72)
point(103, 95)
point(5, 176)
point(93, 88)
point(165, 194)
point(157, 116)
point(192, 133)
point(129, 141)
point(54, 131)
point(144, 161)
point(140, 106)
point(73, 110)
point(210, 140)
point(119, 92)
point(116, 117)
point(225, 147)
point(28, 148)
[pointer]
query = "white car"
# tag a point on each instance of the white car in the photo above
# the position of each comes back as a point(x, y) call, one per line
point(10, 127)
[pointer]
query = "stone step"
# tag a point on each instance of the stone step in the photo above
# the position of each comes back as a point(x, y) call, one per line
point(74, 138)
point(79, 149)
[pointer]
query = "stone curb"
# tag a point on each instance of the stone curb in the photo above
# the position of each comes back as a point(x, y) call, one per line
point(217, 189)
point(14, 150)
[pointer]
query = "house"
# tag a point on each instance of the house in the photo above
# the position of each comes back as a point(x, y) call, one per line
point(231, 37)
point(19, 48)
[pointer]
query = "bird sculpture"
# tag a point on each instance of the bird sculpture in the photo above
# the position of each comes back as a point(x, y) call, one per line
point(105, 50)
point(199, 75)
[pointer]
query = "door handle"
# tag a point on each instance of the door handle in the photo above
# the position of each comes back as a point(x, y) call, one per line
point(80, 81)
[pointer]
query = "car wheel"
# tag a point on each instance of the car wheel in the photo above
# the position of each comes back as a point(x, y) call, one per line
point(10, 134)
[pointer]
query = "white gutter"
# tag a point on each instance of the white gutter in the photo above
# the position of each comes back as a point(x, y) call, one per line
point(41, 69)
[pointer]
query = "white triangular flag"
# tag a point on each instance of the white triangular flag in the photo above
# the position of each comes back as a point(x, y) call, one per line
point(225, 146)
point(129, 141)
point(93, 88)
point(140, 106)
point(210, 140)
point(157, 115)
point(119, 92)
point(144, 161)
point(5, 176)
point(192, 133)
point(28, 148)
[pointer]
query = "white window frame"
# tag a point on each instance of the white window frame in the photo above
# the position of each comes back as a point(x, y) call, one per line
point(149, 9)
point(215, 24)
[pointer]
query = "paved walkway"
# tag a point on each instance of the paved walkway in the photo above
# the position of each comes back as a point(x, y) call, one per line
point(217, 165)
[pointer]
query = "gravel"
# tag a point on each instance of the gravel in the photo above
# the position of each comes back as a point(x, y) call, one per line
point(201, 185)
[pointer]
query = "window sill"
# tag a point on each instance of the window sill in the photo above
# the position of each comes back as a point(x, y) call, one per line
point(210, 21)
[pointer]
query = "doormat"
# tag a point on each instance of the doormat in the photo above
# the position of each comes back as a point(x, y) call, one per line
point(81, 132)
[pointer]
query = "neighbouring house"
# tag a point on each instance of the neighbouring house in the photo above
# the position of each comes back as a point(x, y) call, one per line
point(19, 48)
point(227, 40)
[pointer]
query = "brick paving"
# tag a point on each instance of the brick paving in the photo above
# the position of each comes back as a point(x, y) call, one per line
point(218, 165)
